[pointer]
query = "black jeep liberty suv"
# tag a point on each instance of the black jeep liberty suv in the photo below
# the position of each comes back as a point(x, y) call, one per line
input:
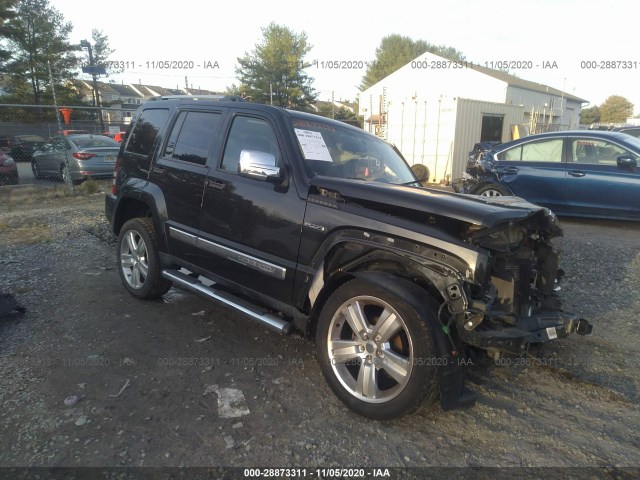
point(301, 222)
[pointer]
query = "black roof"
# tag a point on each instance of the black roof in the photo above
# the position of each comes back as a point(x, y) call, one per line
point(233, 101)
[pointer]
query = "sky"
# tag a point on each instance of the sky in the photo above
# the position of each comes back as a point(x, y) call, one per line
point(583, 39)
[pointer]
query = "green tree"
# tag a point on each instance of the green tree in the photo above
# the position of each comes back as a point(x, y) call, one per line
point(615, 109)
point(590, 115)
point(326, 109)
point(238, 90)
point(102, 51)
point(396, 51)
point(6, 12)
point(37, 37)
point(275, 69)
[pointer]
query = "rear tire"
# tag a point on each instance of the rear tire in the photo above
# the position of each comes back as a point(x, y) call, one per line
point(375, 351)
point(138, 260)
point(493, 190)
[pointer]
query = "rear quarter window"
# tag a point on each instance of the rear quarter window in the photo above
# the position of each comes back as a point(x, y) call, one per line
point(144, 134)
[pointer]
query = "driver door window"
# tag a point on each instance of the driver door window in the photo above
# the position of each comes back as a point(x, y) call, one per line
point(594, 151)
point(248, 133)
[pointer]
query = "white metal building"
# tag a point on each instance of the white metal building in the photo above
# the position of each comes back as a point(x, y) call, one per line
point(435, 111)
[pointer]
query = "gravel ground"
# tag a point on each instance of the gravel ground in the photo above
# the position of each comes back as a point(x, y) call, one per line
point(151, 378)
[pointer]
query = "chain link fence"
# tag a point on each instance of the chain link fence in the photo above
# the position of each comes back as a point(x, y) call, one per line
point(42, 144)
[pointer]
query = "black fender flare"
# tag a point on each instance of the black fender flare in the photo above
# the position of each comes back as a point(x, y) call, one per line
point(451, 372)
point(152, 196)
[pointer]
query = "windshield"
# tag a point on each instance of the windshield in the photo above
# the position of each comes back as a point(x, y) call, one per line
point(339, 152)
point(633, 141)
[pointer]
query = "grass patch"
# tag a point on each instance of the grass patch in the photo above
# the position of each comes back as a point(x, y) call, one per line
point(19, 230)
point(88, 187)
point(12, 199)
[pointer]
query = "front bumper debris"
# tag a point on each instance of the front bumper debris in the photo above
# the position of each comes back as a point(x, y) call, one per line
point(534, 329)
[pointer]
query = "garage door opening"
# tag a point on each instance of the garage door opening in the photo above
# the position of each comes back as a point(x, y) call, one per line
point(491, 128)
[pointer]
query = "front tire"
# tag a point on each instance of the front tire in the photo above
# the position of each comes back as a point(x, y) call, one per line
point(375, 351)
point(138, 260)
point(36, 171)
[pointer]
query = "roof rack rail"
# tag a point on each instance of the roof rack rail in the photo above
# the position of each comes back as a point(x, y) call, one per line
point(222, 98)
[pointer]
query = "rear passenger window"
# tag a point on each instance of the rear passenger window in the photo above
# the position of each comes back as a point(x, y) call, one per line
point(146, 130)
point(540, 151)
point(192, 137)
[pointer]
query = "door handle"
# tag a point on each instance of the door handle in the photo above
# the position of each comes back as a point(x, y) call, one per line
point(511, 170)
point(575, 173)
point(217, 184)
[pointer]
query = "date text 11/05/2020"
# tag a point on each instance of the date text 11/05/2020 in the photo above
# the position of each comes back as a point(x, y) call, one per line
point(301, 472)
point(163, 64)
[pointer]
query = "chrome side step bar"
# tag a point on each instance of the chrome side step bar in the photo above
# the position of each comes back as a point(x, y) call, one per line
point(194, 285)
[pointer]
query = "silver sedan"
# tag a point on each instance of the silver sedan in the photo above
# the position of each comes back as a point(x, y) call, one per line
point(76, 156)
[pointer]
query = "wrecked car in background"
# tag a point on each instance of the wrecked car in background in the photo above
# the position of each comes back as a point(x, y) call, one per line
point(304, 223)
point(576, 173)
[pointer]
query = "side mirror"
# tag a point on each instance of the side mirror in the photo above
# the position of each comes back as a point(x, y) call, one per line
point(259, 165)
point(627, 162)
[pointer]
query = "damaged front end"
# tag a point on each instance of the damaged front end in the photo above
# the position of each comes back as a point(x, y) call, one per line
point(479, 172)
point(516, 303)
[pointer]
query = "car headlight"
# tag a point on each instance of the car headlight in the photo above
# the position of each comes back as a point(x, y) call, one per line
point(466, 176)
point(7, 160)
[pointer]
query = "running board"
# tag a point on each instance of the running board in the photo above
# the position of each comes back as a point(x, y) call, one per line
point(194, 285)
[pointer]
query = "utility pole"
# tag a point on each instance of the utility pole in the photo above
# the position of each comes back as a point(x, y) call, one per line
point(96, 93)
point(333, 105)
point(55, 104)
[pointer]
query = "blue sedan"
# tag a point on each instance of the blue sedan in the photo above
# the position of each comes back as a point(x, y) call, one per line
point(574, 173)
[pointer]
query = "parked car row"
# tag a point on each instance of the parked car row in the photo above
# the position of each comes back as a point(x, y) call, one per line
point(576, 173)
point(77, 154)
point(20, 147)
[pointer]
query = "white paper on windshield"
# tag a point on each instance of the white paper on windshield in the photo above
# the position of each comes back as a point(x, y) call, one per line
point(313, 146)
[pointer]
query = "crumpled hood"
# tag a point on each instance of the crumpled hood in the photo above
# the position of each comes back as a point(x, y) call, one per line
point(483, 211)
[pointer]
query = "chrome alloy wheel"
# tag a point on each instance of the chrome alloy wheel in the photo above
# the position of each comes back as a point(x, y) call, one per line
point(133, 259)
point(370, 349)
point(491, 193)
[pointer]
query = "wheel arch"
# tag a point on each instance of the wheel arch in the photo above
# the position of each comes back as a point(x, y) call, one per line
point(146, 202)
point(431, 271)
point(493, 182)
